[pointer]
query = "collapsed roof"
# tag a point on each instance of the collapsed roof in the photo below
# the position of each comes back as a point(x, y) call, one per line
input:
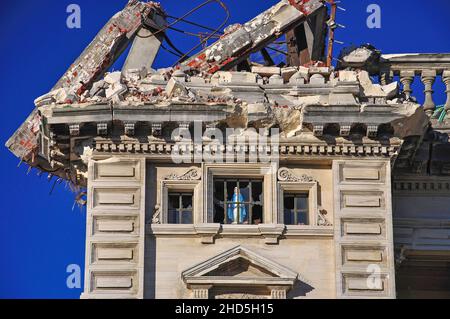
point(219, 85)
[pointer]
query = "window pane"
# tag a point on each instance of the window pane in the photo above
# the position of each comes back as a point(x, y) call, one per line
point(245, 193)
point(288, 202)
point(296, 211)
point(174, 201)
point(257, 214)
point(257, 191)
point(302, 218)
point(289, 217)
point(186, 217)
point(173, 216)
point(231, 190)
point(302, 202)
point(244, 214)
point(187, 202)
point(219, 191)
point(241, 198)
point(219, 214)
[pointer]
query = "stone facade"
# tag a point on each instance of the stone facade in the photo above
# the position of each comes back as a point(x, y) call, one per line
point(226, 179)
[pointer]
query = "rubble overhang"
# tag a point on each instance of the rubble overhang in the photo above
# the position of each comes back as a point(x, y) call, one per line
point(319, 110)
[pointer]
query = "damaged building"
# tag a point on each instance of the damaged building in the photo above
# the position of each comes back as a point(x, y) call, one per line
point(220, 177)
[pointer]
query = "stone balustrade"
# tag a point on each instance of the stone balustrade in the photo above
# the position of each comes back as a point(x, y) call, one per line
point(427, 68)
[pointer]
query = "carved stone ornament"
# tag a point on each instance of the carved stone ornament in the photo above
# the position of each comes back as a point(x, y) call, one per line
point(286, 175)
point(156, 219)
point(192, 175)
point(322, 220)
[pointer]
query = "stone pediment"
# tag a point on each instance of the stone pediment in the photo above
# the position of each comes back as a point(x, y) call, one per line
point(242, 267)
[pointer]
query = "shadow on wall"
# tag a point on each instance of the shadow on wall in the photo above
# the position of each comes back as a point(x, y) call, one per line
point(300, 289)
point(150, 242)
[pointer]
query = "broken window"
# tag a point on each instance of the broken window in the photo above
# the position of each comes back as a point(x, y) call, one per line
point(180, 208)
point(296, 209)
point(238, 201)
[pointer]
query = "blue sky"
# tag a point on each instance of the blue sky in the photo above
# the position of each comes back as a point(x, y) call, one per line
point(40, 234)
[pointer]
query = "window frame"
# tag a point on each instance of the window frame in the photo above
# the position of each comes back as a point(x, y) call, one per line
point(250, 203)
point(299, 187)
point(296, 210)
point(175, 186)
point(266, 172)
point(181, 210)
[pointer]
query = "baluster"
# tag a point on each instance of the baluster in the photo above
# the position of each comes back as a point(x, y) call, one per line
point(446, 79)
point(407, 79)
point(386, 76)
point(428, 79)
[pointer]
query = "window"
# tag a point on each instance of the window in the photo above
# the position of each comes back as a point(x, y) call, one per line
point(296, 209)
point(180, 208)
point(238, 201)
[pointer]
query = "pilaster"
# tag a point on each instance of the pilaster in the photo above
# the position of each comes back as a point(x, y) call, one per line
point(115, 234)
point(363, 229)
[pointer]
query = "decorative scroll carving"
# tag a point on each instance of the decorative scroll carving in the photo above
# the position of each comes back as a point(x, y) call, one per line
point(286, 175)
point(192, 175)
point(156, 219)
point(322, 220)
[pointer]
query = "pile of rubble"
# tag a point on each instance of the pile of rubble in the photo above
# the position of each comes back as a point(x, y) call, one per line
point(179, 85)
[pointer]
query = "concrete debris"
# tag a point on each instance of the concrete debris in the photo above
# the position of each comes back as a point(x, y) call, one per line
point(369, 89)
point(58, 96)
point(348, 76)
point(324, 71)
point(289, 120)
point(303, 72)
point(359, 57)
point(317, 79)
point(276, 79)
point(180, 76)
point(288, 72)
point(265, 97)
point(99, 89)
point(116, 90)
point(134, 75)
point(391, 90)
point(113, 78)
point(238, 116)
point(161, 86)
point(233, 77)
point(157, 78)
point(175, 89)
point(266, 71)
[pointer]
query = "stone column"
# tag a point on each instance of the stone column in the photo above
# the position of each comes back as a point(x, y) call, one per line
point(363, 229)
point(446, 79)
point(386, 76)
point(407, 78)
point(428, 79)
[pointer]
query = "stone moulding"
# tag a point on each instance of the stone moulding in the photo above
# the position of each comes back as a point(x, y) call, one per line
point(192, 174)
point(306, 149)
point(286, 175)
point(197, 274)
point(209, 233)
point(422, 186)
